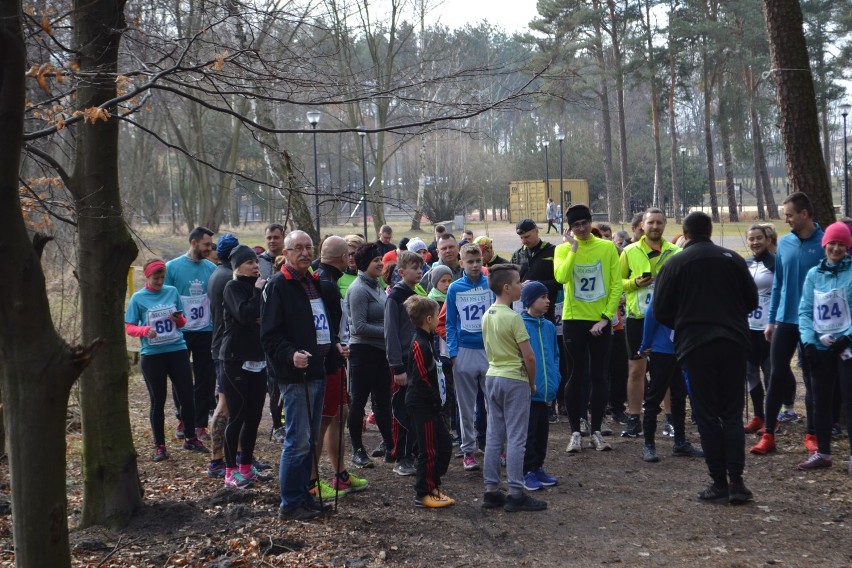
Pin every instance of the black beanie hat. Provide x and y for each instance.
(365, 255)
(241, 254)
(576, 213)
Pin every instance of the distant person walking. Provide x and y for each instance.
(550, 212)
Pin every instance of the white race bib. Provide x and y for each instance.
(518, 306)
(167, 330)
(471, 306)
(254, 366)
(197, 309)
(759, 317)
(831, 311)
(588, 282)
(557, 316)
(643, 298)
(321, 322)
(442, 383)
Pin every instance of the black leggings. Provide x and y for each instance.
(276, 406)
(369, 374)
(618, 372)
(155, 370)
(245, 392)
(198, 344)
(588, 362)
(785, 341)
(758, 360)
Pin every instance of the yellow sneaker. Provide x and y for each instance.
(434, 500)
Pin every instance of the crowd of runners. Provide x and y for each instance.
(460, 352)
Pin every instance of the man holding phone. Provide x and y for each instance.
(640, 262)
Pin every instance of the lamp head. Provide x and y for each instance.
(546, 143)
(844, 109)
(313, 117)
(560, 137)
(361, 132)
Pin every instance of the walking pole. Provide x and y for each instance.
(339, 436)
(311, 443)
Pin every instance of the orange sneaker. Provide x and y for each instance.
(755, 424)
(811, 443)
(766, 445)
(435, 500)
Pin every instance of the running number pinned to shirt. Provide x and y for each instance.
(831, 311)
(471, 306)
(160, 319)
(197, 311)
(759, 317)
(321, 322)
(589, 282)
(643, 297)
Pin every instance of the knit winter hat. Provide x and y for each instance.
(365, 255)
(241, 254)
(837, 232)
(226, 244)
(532, 291)
(576, 213)
(438, 271)
(416, 244)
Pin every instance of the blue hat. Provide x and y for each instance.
(532, 291)
(226, 244)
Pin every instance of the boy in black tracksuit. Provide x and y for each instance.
(423, 400)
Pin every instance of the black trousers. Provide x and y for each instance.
(245, 392)
(758, 361)
(782, 383)
(665, 375)
(588, 361)
(826, 372)
(155, 370)
(618, 371)
(435, 445)
(402, 430)
(369, 375)
(715, 379)
(537, 434)
(199, 345)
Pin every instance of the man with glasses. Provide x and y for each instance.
(300, 319)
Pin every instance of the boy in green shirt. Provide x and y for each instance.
(508, 383)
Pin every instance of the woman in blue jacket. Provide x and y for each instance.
(825, 325)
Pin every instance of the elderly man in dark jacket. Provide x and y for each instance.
(535, 259)
(705, 294)
(299, 330)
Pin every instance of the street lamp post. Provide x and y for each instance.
(561, 138)
(313, 119)
(682, 182)
(844, 110)
(546, 143)
(362, 134)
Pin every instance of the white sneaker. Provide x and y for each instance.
(584, 427)
(576, 444)
(599, 443)
(606, 429)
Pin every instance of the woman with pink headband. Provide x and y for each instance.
(155, 315)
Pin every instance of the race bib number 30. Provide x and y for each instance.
(831, 311)
(321, 322)
(197, 312)
(471, 307)
(588, 282)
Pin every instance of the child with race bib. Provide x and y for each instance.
(467, 300)
(825, 326)
(155, 315)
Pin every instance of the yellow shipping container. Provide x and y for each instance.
(528, 198)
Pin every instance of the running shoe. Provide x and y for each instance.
(811, 443)
(349, 483)
(584, 427)
(469, 463)
(599, 443)
(606, 429)
(766, 445)
(668, 429)
(553, 418)
(259, 465)
(633, 428)
(405, 467)
(361, 459)
(325, 492)
(160, 453)
(687, 450)
(179, 430)
(714, 494)
(738, 493)
(493, 499)
(202, 434)
(545, 478)
(257, 475)
(762, 430)
(788, 415)
(237, 480)
(575, 446)
(755, 424)
(816, 461)
(278, 435)
(649, 453)
(523, 502)
(434, 500)
(216, 468)
(531, 482)
(379, 451)
(195, 445)
(836, 431)
(459, 453)
(620, 416)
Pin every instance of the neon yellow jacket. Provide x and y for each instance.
(590, 277)
(634, 262)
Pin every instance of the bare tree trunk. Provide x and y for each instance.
(37, 368)
(771, 207)
(112, 491)
(606, 123)
(759, 190)
(727, 154)
(797, 105)
(673, 124)
(626, 191)
(708, 136)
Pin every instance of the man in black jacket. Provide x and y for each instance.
(300, 319)
(535, 259)
(705, 294)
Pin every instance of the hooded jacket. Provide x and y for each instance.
(241, 312)
(793, 259)
(545, 346)
(821, 279)
(399, 331)
(477, 298)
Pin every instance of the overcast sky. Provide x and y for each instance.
(511, 15)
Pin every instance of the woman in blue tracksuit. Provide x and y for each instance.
(825, 325)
